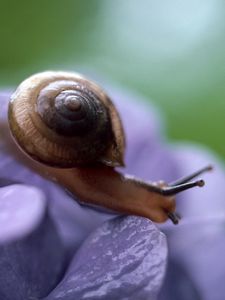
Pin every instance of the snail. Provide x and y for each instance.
(71, 128)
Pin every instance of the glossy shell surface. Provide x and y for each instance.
(64, 120)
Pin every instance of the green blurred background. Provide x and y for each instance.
(170, 51)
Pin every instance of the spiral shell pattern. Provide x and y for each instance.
(64, 120)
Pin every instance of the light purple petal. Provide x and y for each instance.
(21, 210)
(147, 155)
(178, 284)
(204, 274)
(203, 232)
(198, 243)
(31, 253)
(125, 258)
(208, 200)
(199, 247)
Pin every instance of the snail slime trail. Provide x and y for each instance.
(70, 126)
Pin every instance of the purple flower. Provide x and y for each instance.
(51, 247)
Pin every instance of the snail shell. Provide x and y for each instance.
(64, 120)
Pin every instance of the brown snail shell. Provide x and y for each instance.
(65, 120)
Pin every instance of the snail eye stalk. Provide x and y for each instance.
(175, 189)
(192, 176)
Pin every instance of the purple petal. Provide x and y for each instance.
(31, 253)
(125, 258)
(209, 200)
(19, 215)
(199, 247)
(147, 155)
(198, 243)
(178, 284)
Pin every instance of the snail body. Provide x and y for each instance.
(65, 120)
(70, 126)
